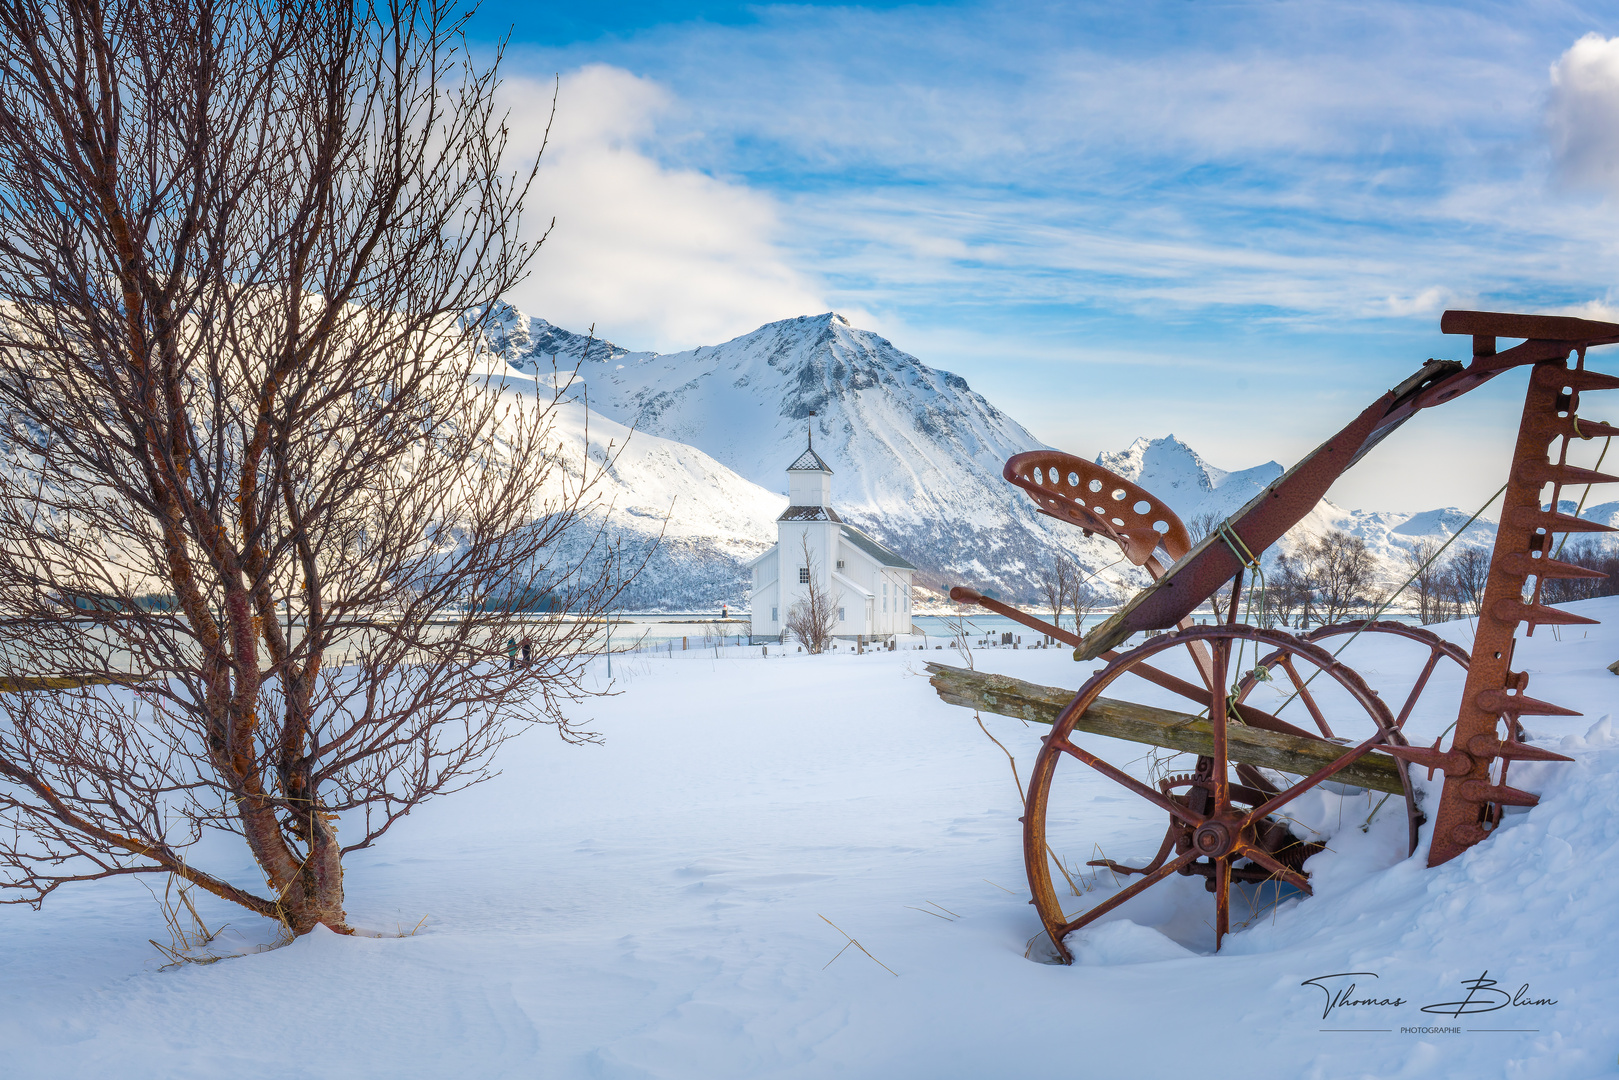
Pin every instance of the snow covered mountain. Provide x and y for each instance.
(1197, 490)
(1178, 475)
(916, 454)
(694, 521)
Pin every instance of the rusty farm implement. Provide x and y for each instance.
(1258, 761)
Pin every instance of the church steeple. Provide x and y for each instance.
(809, 479)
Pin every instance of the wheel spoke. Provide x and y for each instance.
(1204, 663)
(1416, 691)
(1157, 798)
(1159, 677)
(1256, 779)
(1275, 802)
(1222, 900)
(1124, 894)
(1264, 858)
(1301, 690)
(1218, 721)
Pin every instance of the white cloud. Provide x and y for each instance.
(654, 256)
(1583, 113)
(1427, 302)
(1606, 310)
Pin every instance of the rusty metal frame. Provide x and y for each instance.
(1475, 764)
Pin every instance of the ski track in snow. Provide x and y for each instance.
(652, 907)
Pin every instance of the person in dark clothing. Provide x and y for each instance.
(526, 657)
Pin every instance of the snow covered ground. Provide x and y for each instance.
(659, 906)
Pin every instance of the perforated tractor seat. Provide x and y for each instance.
(1083, 493)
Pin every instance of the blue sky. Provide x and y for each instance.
(1237, 222)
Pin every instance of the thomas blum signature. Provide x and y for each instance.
(1483, 995)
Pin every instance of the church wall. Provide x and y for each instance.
(790, 551)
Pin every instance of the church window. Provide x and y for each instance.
(803, 575)
(842, 617)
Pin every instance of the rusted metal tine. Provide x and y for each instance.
(1222, 900)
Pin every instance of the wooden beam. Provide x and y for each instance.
(1038, 704)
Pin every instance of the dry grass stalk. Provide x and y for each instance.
(857, 945)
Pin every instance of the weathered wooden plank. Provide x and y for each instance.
(1038, 704)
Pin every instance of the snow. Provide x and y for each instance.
(658, 906)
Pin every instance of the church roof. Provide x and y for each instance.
(874, 549)
(809, 461)
(809, 513)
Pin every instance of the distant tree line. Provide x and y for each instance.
(1335, 577)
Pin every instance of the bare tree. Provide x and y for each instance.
(1084, 598)
(1288, 590)
(245, 460)
(1202, 524)
(1430, 581)
(813, 618)
(1058, 585)
(1338, 569)
(1469, 570)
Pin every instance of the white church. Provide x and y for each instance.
(869, 585)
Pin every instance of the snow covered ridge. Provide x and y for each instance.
(916, 452)
(701, 521)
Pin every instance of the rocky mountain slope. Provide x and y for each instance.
(916, 454)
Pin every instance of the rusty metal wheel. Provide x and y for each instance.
(1229, 819)
(1438, 649)
(1298, 704)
